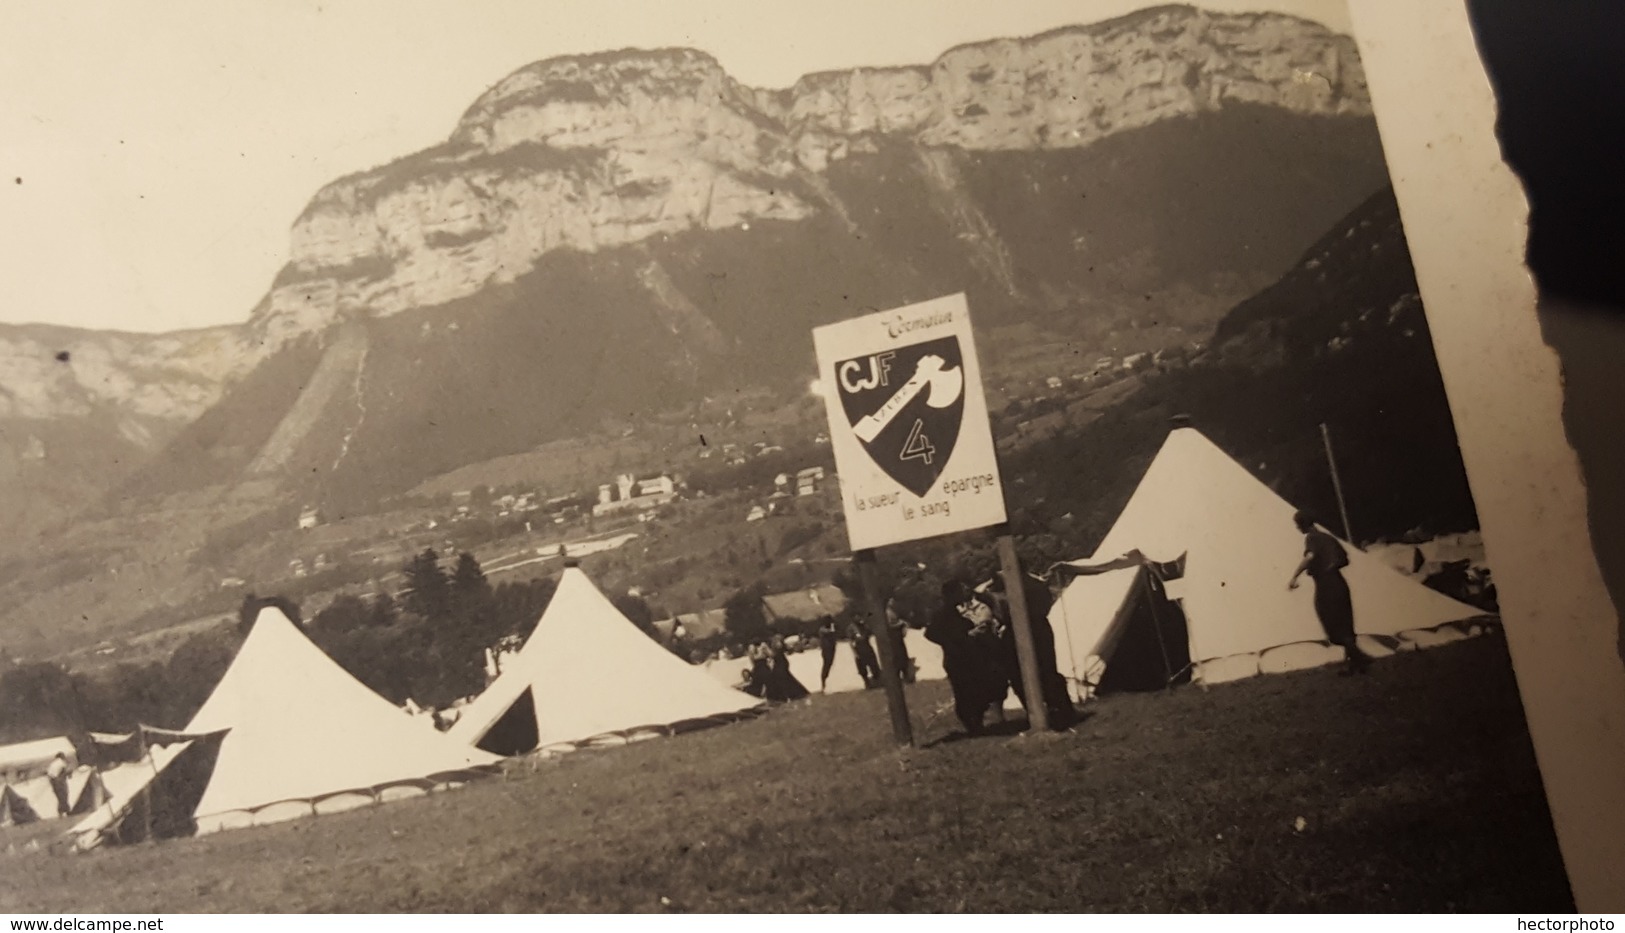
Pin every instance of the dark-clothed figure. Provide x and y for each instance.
(785, 683)
(863, 653)
(1057, 702)
(57, 773)
(968, 658)
(827, 639)
(897, 631)
(1324, 560)
(758, 677)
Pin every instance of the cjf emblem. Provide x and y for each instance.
(906, 405)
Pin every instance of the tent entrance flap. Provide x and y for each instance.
(15, 810)
(515, 732)
(163, 808)
(92, 794)
(1153, 648)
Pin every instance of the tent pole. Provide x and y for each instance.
(1071, 655)
(146, 752)
(1337, 483)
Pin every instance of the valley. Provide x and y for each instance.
(611, 267)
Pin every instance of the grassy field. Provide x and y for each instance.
(1416, 785)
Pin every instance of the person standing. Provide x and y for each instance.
(897, 631)
(863, 653)
(57, 773)
(827, 638)
(1324, 559)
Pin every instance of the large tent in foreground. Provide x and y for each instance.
(298, 735)
(1191, 581)
(588, 675)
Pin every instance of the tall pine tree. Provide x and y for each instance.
(469, 588)
(427, 592)
(471, 628)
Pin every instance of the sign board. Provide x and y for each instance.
(908, 423)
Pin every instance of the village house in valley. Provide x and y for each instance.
(627, 492)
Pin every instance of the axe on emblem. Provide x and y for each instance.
(945, 387)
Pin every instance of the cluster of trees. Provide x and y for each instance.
(428, 641)
(744, 617)
(44, 698)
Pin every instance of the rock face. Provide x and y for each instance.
(610, 232)
(78, 408)
(592, 152)
(1074, 86)
(55, 372)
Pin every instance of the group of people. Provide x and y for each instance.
(830, 636)
(768, 676)
(974, 628)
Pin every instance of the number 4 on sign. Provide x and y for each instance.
(918, 446)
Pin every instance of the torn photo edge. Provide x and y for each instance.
(1465, 217)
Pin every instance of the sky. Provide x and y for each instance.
(153, 153)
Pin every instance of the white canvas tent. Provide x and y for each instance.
(1089, 621)
(24, 760)
(303, 730)
(41, 797)
(85, 790)
(152, 797)
(1238, 547)
(587, 674)
(15, 810)
(286, 733)
(25, 792)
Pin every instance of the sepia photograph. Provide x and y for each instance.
(727, 458)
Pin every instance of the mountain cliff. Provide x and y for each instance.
(630, 230)
(589, 153)
(79, 407)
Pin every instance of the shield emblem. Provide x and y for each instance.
(905, 406)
